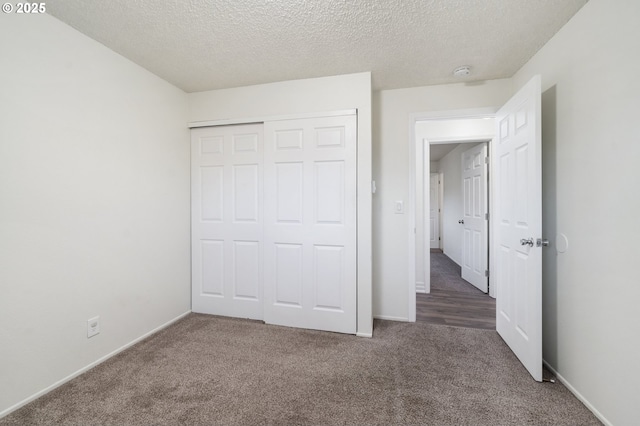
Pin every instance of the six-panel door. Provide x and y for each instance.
(475, 244)
(518, 223)
(310, 223)
(226, 220)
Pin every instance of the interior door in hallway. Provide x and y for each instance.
(310, 223)
(226, 220)
(517, 226)
(475, 246)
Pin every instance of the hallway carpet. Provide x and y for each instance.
(446, 275)
(207, 370)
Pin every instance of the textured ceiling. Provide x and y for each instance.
(210, 44)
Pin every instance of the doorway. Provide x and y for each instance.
(442, 142)
(458, 284)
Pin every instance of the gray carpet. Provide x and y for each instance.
(207, 370)
(446, 275)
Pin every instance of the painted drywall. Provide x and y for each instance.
(590, 108)
(310, 96)
(392, 115)
(94, 193)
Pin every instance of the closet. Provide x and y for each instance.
(274, 221)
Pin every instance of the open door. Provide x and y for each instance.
(517, 226)
(474, 217)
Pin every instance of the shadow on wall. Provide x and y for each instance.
(549, 229)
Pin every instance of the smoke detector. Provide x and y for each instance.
(462, 71)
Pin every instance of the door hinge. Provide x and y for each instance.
(486, 160)
(486, 273)
(486, 216)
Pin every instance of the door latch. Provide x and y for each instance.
(542, 242)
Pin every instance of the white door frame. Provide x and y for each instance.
(411, 205)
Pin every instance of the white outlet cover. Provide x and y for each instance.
(399, 208)
(93, 326)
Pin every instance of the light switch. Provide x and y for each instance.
(399, 207)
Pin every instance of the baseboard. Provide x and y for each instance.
(88, 367)
(578, 395)
(359, 334)
(391, 318)
(420, 287)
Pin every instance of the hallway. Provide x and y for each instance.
(453, 301)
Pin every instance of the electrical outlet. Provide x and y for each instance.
(93, 326)
(399, 207)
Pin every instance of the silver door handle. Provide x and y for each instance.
(526, 242)
(461, 221)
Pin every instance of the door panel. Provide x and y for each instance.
(226, 222)
(517, 218)
(310, 223)
(475, 208)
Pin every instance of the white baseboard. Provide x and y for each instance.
(578, 395)
(420, 287)
(88, 367)
(391, 318)
(359, 334)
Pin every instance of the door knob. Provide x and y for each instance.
(461, 221)
(526, 242)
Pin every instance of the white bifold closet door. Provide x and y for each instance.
(310, 223)
(226, 220)
(274, 222)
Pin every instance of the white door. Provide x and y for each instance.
(226, 220)
(518, 224)
(310, 223)
(434, 211)
(474, 217)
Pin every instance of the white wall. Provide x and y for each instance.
(308, 96)
(392, 123)
(591, 148)
(94, 193)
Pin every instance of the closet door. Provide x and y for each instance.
(226, 220)
(310, 223)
